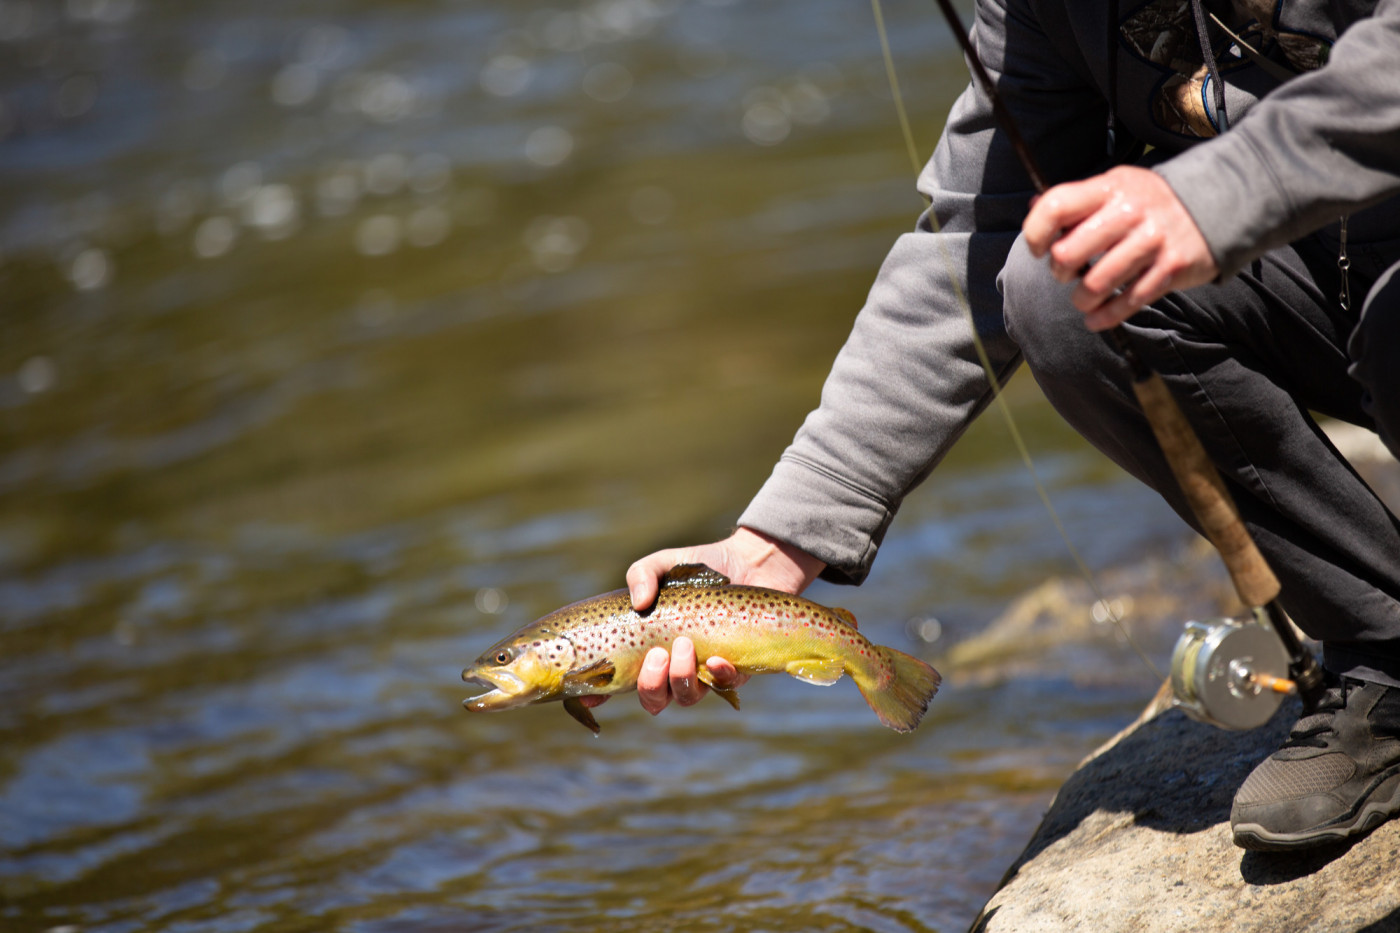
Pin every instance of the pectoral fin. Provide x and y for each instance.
(728, 694)
(820, 671)
(598, 674)
(575, 708)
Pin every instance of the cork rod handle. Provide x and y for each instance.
(1205, 491)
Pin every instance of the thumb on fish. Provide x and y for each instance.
(644, 577)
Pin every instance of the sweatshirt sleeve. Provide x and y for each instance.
(1324, 144)
(908, 381)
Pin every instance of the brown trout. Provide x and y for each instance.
(596, 647)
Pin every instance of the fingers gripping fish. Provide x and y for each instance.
(597, 646)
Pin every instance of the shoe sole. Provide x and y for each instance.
(1256, 838)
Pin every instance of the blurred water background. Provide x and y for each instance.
(338, 339)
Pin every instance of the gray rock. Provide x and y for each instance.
(1139, 839)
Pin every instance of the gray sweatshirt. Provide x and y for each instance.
(1313, 133)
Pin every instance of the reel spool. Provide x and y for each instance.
(1230, 673)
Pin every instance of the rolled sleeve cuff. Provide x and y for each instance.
(1233, 195)
(824, 515)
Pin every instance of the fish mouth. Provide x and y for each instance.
(509, 690)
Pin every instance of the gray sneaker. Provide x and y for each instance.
(1338, 775)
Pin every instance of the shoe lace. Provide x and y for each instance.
(1316, 730)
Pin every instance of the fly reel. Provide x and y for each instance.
(1230, 673)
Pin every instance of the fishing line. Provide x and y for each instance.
(909, 146)
(986, 362)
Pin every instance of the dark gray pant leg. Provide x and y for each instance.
(1375, 351)
(1247, 360)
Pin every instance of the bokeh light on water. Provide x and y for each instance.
(340, 339)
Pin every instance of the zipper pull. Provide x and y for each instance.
(1343, 265)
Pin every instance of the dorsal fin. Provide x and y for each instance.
(693, 575)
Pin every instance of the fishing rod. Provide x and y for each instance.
(1222, 670)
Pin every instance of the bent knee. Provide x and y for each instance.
(1372, 348)
(1373, 343)
(1038, 313)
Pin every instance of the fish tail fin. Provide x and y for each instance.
(898, 687)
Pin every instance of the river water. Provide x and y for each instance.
(340, 339)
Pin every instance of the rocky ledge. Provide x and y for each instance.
(1138, 839)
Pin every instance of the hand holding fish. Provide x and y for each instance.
(598, 646)
(1141, 239)
(745, 557)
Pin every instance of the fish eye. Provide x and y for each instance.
(502, 657)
